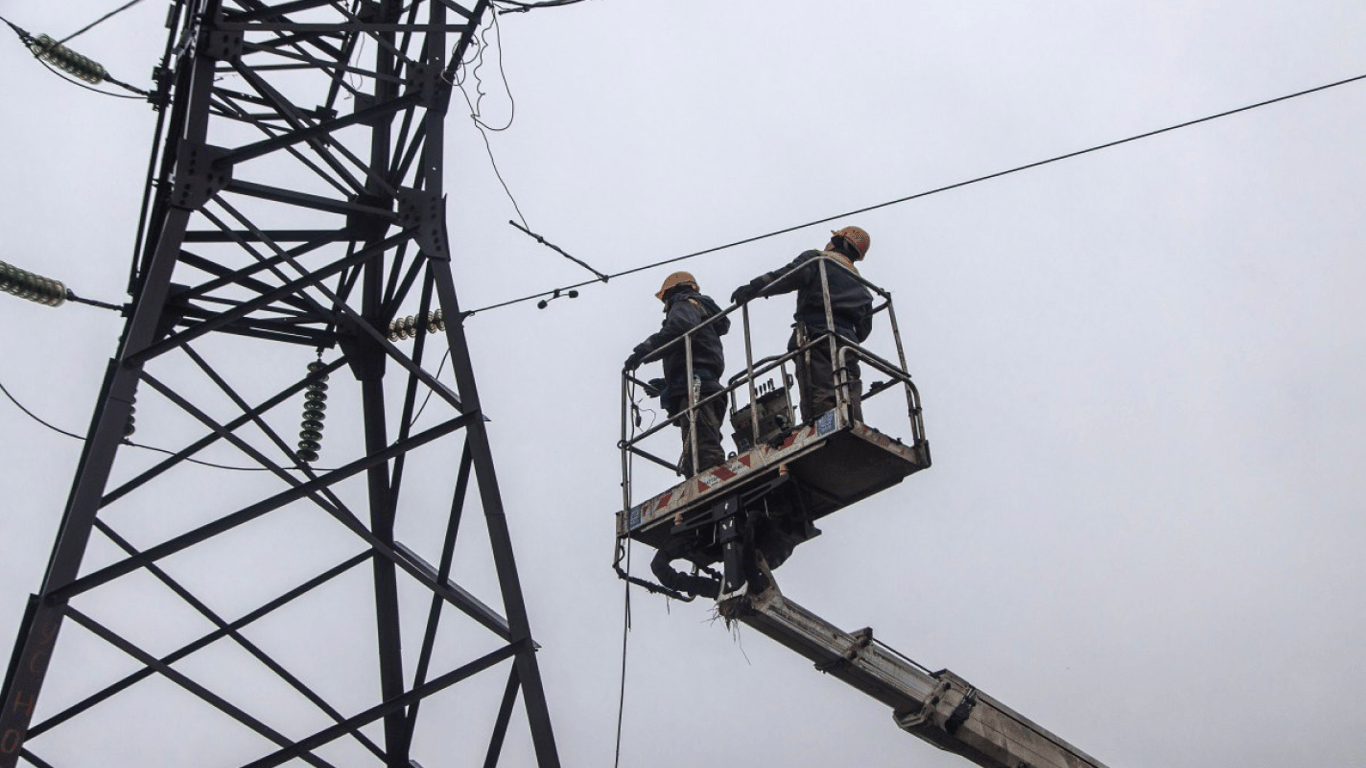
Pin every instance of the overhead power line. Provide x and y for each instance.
(99, 21)
(927, 193)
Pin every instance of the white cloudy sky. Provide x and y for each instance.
(1141, 369)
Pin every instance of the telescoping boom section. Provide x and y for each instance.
(789, 467)
(939, 707)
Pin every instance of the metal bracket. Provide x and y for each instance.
(365, 355)
(862, 639)
(431, 89)
(960, 713)
(908, 721)
(732, 551)
(425, 211)
(198, 176)
(370, 226)
(363, 101)
(221, 45)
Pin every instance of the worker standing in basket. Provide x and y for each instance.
(685, 308)
(851, 306)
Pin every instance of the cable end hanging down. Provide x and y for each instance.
(601, 277)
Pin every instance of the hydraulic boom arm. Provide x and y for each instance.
(939, 707)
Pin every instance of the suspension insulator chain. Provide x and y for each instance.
(315, 402)
(68, 60)
(409, 327)
(27, 285)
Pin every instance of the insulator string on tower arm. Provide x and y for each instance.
(60, 59)
(69, 61)
(35, 288)
(42, 290)
(412, 326)
(926, 193)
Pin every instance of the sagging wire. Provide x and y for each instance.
(927, 193)
(478, 63)
(126, 441)
(470, 68)
(35, 416)
(430, 392)
(473, 71)
(623, 552)
(412, 326)
(625, 634)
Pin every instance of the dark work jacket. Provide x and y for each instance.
(851, 303)
(686, 310)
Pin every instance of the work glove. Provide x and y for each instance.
(634, 360)
(654, 386)
(744, 293)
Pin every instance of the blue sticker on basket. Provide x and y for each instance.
(825, 424)
(633, 518)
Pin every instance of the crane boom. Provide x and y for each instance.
(939, 707)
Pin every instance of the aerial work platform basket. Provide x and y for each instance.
(786, 473)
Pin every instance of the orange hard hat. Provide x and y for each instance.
(855, 237)
(674, 280)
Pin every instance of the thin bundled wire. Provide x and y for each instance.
(625, 634)
(471, 67)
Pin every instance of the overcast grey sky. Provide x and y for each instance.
(1141, 369)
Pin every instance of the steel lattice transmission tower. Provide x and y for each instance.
(301, 612)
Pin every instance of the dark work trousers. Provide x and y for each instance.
(709, 453)
(816, 377)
